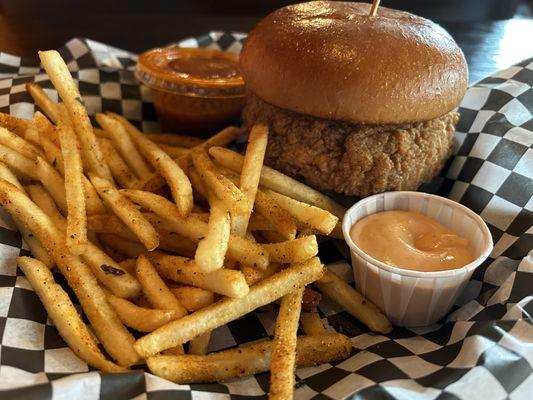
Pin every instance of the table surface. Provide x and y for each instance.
(488, 46)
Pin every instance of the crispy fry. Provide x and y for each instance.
(53, 154)
(20, 145)
(154, 289)
(33, 243)
(313, 217)
(251, 171)
(228, 309)
(221, 186)
(124, 145)
(283, 361)
(227, 282)
(44, 127)
(173, 139)
(140, 318)
(174, 152)
(311, 323)
(247, 359)
(354, 303)
(62, 79)
(280, 219)
(17, 162)
(14, 124)
(119, 169)
(123, 246)
(253, 275)
(106, 270)
(279, 182)
(113, 335)
(240, 249)
(44, 102)
(127, 212)
(74, 190)
(179, 184)
(64, 315)
(200, 345)
(53, 182)
(193, 298)
(211, 250)
(292, 251)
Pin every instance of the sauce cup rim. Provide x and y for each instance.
(346, 226)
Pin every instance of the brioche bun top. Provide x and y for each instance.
(332, 60)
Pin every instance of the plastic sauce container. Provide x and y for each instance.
(196, 91)
(408, 297)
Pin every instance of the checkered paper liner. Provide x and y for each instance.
(482, 350)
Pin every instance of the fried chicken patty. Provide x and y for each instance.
(350, 158)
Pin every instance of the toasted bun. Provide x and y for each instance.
(332, 60)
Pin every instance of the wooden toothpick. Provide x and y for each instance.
(374, 9)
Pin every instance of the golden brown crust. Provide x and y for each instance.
(331, 60)
(353, 159)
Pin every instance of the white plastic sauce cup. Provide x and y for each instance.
(416, 298)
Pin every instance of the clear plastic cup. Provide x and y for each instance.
(416, 298)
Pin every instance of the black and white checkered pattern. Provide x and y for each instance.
(482, 350)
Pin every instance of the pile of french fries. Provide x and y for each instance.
(170, 236)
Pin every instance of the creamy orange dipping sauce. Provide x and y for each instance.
(410, 240)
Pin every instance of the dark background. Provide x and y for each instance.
(492, 33)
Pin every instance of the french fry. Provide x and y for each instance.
(119, 169)
(355, 304)
(283, 361)
(253, 275)
(128, 264)
(140, 318)
(152, 183)
(193, 298)
(173, 139)
(113, 335)
(122, 246)
(33, 243)
(44, 102)
(280, 219)
(17, 162)
(20, 145)
(259, 223)
(247, 359)
(174, 152)
(251, 171)
(64, 315)
(228, 309)
(62, 79)
(154, 289)
(311, 324)
(200, 345)
(127, 212)
(105, 269)
(53, 183)
(292, 251)
(227, 282)
(124, 144)
(44, 127)
(221, 186)
(74, 190)
(53, 154)
(179, 184)
(240, 249)
(211, 250)
(272, 179)
(14, 124)
(316, 218)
